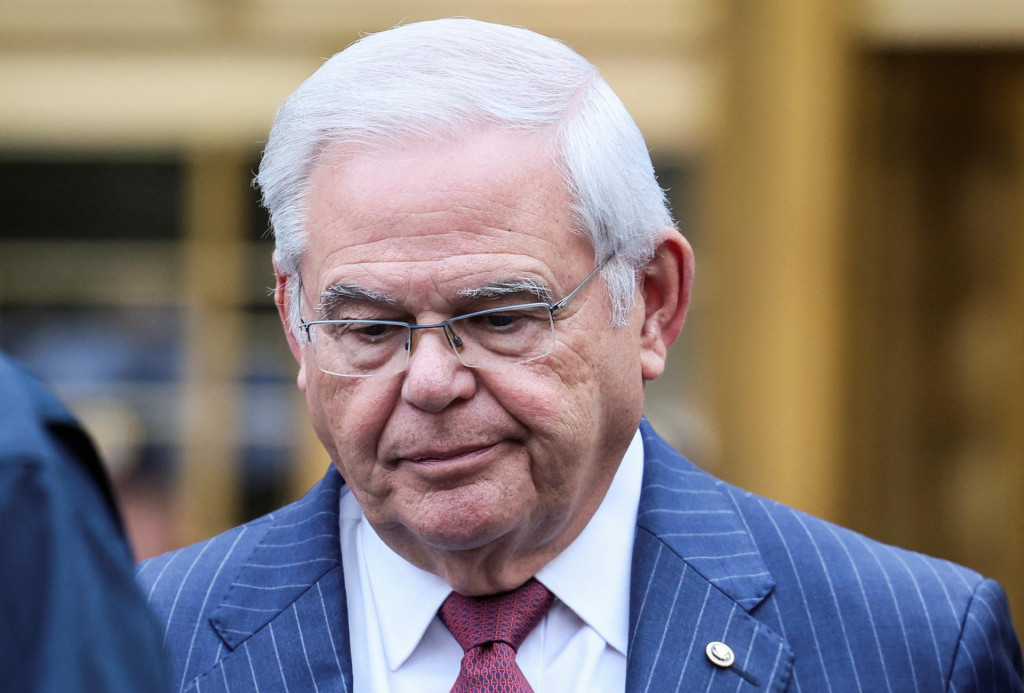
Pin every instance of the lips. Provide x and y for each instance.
(446, 454)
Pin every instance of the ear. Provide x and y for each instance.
(281, 282)
(665, 291)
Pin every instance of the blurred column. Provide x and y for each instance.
(209, 469)
(1014, 391)
(773, 250)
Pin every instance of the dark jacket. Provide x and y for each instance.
(71, 616)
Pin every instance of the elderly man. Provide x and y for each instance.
(477, 272)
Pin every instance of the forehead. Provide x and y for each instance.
(494, 203)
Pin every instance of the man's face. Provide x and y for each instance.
(467, 471)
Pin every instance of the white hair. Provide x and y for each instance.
(437, 80)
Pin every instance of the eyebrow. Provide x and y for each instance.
(509, 287)
(336, 295)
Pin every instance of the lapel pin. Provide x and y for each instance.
(720, 654)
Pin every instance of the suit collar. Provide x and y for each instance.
(696, 574)
(685, 508)
(299, 546)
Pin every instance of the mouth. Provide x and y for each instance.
(442, 455)
(448, 460)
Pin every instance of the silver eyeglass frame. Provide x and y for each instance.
(454, 341)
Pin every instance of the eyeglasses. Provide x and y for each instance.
(491, 338)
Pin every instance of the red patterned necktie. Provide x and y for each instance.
(490, 630)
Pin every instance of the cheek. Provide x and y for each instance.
(555, 401)
(348, 416)
(574, 385)
(591, 397)
(547, 397)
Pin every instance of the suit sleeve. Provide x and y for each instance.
(988, 657)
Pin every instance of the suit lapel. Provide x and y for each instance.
(285, 617)
(697, 575)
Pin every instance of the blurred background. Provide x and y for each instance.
(850, 174)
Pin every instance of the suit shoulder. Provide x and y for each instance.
(910, 618)
(798, 547)
(842, 561)
(199, 568)
(852, 608)
(204, 571)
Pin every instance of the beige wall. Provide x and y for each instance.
(810, 368)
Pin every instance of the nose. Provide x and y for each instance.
(436, 377)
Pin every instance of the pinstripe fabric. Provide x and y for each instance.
(261, 607)
(804, 605)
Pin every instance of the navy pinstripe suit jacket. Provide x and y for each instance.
(805, 605)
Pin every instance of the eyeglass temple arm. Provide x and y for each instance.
(597, 270)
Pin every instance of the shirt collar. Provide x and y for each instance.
(591, 573)
(405, 597)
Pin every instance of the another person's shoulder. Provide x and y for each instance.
(67, 570)
(30, 415)
(47, 457)
(16, 380)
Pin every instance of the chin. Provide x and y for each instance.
(469, 519)
(464, 531)
(462, 539)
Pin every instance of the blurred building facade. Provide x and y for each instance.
(851, 176)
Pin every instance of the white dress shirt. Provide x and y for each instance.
(400, 646)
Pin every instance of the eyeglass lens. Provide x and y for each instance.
(487, 339)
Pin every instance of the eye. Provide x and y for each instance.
(501, 320)
(365, 333)
(372, 330)
(508, 321)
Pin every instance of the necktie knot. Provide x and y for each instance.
(507, 617)
(490, 630)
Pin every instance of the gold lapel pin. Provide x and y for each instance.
(720, 654)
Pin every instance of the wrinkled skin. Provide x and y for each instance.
(480, 476)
